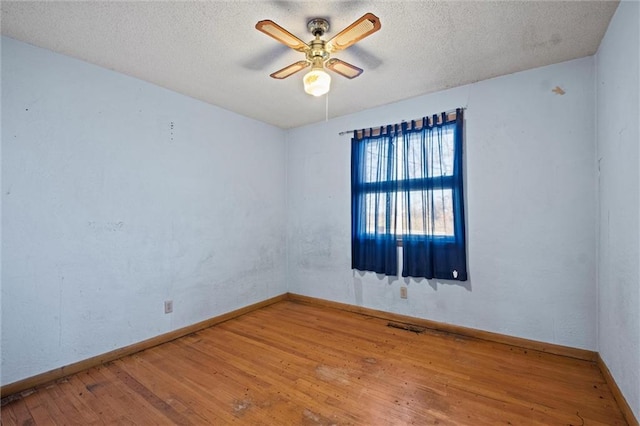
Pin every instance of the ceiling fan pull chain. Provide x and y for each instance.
(326, 107)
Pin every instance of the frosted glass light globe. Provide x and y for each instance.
(317, 82)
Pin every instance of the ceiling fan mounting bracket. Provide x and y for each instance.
(318, 26)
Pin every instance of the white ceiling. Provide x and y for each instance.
(210, 50)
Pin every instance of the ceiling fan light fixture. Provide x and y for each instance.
(317, 82)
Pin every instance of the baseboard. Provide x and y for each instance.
(617, 393)
(568, 351)
(60, 372)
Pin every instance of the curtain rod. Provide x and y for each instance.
(450, 115)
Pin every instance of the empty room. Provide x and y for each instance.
(320, 213)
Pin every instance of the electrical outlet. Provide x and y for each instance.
(168, 306)
(403, 292)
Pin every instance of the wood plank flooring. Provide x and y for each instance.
(295, 364)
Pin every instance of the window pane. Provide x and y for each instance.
(428, 155)
(430, 213)
(376, 160)
(377, 205)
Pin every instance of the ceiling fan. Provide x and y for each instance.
(317, 51)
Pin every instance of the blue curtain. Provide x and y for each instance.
(431, 185)
(407, 185)
(374, 203)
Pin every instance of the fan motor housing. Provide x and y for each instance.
(317, 51)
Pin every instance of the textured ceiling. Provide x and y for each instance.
(212, 52)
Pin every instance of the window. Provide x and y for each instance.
(407, 186)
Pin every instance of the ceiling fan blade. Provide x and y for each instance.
(361, 28)
(290, 69)
(274, 30)
(343, 68)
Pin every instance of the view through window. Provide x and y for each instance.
(411, 203)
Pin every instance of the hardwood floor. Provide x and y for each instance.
(295, 364)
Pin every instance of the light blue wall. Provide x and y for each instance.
(618, 156)
(530, 189)
(118, 195)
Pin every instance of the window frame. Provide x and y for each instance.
(399, 186)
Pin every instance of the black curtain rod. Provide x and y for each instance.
(448, 113)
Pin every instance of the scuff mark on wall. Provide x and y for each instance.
(558, 90)
(106, 226)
